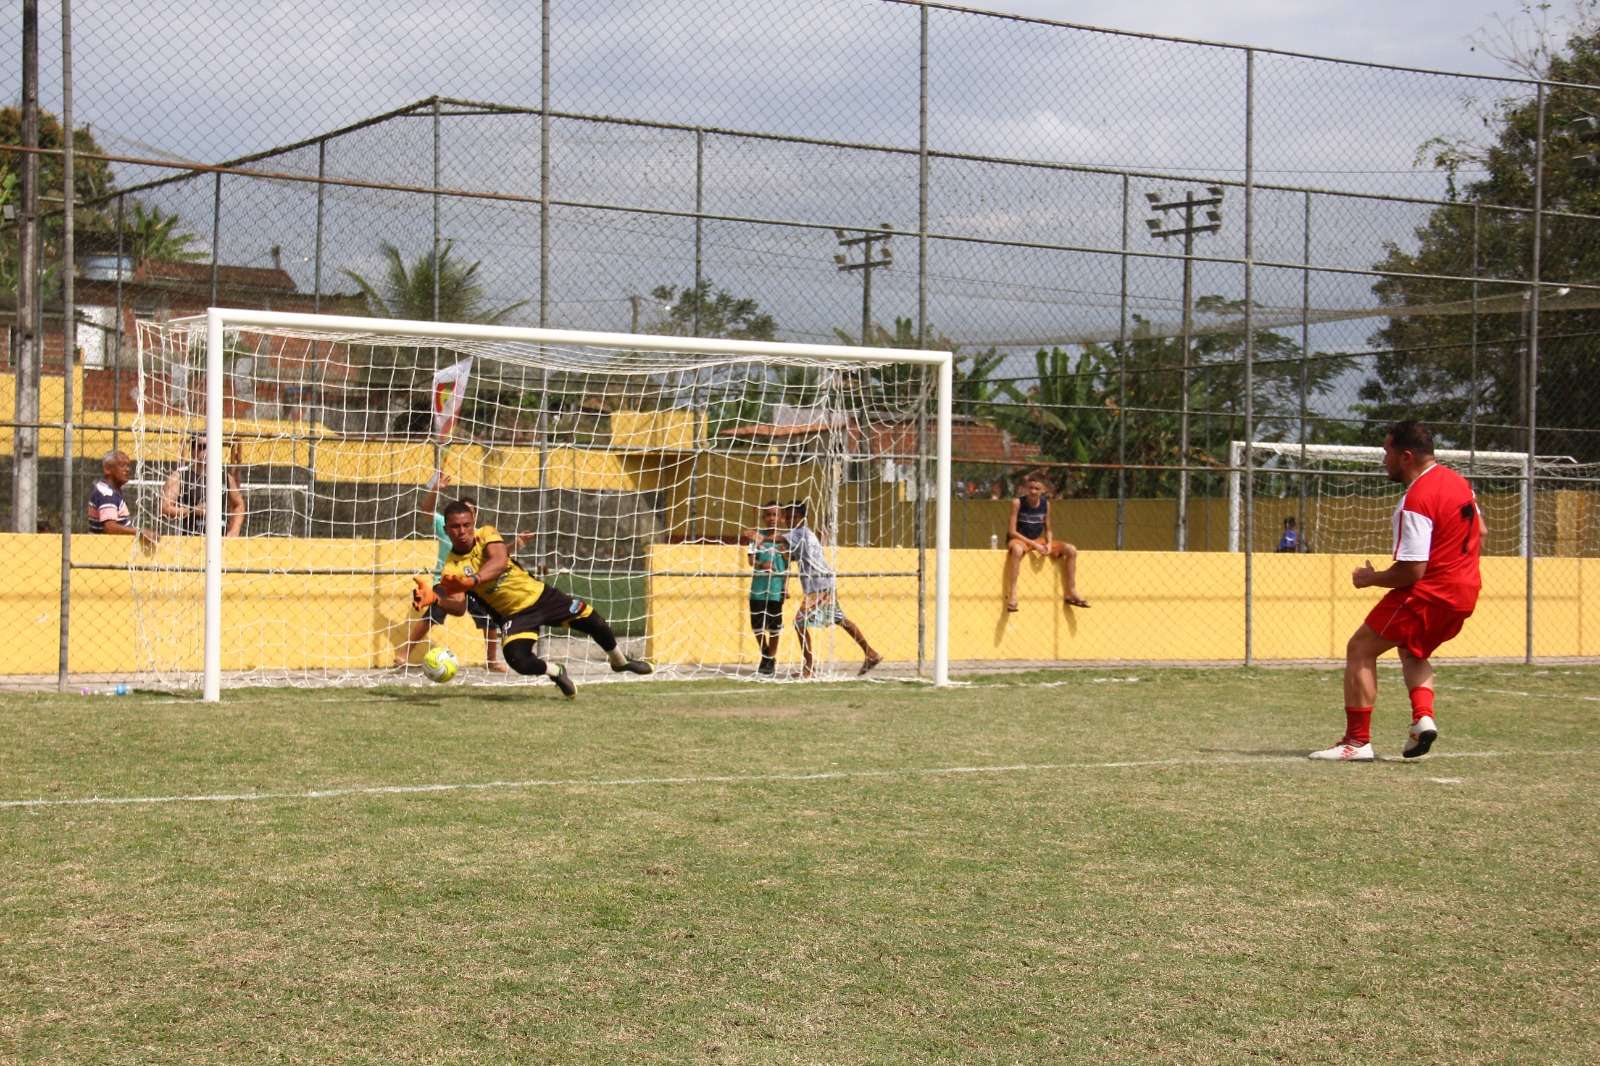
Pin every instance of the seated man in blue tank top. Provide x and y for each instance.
(1030, 532)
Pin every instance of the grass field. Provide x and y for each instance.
(1088, 866)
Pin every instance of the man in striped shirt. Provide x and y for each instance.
(108, 511)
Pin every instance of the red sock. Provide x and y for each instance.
(1421, 702)
(1358, 725)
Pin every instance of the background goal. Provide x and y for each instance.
(1342, 500)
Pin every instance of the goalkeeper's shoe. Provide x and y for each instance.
(632, 666)
(1344, 751)
(1423, 733)
(563, 680)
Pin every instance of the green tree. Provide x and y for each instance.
(92, 179)
(706, 311)
(1441, 363)
(151, 233)
(1071, 405)
(407, 290)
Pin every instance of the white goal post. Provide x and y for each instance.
(1350, 463)
(208, 413)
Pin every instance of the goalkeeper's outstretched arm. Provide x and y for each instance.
(425, 596)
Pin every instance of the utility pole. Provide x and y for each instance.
(29, 335)
(868, 264)
(1190, 206)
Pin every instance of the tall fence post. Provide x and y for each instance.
(69, 340)
(216, 237)
(919, 507)
(542, 418)
(28, 338)
(116, 335)
(316, 251)
(1531, 486)
(1305, 374)
(436, 271)
(699, 237)
(1249, 353)
(1472, 340)
(1122, 379)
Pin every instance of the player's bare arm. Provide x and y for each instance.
(429, 501)
(170, 507)
(1403, 574)
(451, 603)
(235, 504)
(495, 560)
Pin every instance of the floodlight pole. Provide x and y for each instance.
(1158, 228)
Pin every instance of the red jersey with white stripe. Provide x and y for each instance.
(1437, 520)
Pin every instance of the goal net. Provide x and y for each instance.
(297, 467)
(1342, 501)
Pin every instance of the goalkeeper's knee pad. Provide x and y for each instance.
(523, 657)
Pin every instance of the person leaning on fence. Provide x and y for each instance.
(183, 497)
(108, 511)
(1030, 532)
(1290, 541)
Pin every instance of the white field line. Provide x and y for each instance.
(1554, 697)
(720, 779)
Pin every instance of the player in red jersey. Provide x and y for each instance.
(1433, 586)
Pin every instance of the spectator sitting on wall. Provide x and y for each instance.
(108, 511)
(183, 497)
(1290, 541)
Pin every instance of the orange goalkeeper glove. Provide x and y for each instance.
(422, 597)
(455, 584)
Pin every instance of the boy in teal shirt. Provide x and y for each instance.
(767, 580)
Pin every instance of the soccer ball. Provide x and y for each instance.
(440, 664)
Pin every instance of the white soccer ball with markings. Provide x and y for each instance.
(440, 664)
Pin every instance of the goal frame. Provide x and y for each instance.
(219, 319)
(1458, 457)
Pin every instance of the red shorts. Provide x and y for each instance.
(1417, 625)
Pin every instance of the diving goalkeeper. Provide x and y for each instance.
(480, 564)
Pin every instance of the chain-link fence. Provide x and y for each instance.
(1141, 250)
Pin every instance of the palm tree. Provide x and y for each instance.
(151, 233)
(408, 292)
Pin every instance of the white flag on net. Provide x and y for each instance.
(449, 389)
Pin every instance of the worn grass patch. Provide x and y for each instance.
(1048, 868)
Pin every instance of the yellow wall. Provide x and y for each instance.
(1157, 606)
(1147, 606)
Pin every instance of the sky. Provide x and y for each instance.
(1432, 34)
(834, 69)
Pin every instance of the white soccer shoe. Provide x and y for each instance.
(1345, 752)
(1423, 734)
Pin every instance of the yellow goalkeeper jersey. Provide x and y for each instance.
(514, 590)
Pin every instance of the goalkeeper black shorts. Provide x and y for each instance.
(552, 608)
